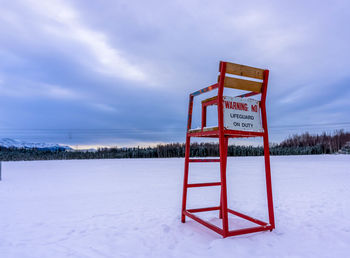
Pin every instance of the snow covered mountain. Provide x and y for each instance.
(7, 142)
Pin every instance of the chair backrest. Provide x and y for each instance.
(246, 72)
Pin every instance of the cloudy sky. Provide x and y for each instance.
(119, 72)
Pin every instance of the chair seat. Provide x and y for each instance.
(205, 129)
(213, 132)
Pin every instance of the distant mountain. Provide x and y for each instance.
(7, 142)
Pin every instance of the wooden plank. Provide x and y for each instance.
(207, 129)
(196, 130)
(244, 70)
(242, 84)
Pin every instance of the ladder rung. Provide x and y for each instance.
(204, 184)
(204, 160)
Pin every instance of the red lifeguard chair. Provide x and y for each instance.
(237, 117)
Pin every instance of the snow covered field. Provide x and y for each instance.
(131, 208)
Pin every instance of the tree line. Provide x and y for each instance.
(303, 144)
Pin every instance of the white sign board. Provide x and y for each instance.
(242, 114)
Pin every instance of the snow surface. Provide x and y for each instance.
(131, 208)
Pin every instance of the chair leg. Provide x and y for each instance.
(184, 193)
(268, 181)
(223, 203)
(220, 211)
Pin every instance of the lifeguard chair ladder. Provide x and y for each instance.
(254, 87)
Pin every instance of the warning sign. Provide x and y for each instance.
(242, 114)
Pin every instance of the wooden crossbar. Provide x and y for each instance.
(240, 84)
(243, 70)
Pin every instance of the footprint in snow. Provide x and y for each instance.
(166, 228)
